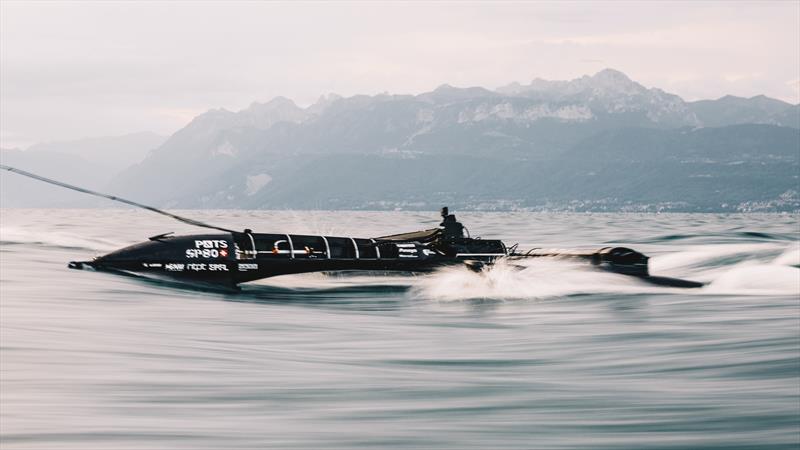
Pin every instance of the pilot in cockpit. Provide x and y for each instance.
(451, 228)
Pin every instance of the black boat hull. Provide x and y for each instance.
(229, 259)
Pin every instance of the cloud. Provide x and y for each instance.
(69, 70)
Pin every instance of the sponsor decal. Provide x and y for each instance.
(208, 248)
(202, 253)
(407, 250)
(211, 243)
(203, 267)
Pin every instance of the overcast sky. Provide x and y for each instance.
(71, 70)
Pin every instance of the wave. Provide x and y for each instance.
(740, 269)
(724, 236)
(55, 239)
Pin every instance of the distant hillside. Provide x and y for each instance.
(90, 163)
(730, 110)
(637, 169)
(113, 153)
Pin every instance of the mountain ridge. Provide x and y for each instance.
(456, 145)
(466, 131)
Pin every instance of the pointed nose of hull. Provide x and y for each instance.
(207, 259)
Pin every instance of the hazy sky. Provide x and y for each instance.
(71, 70)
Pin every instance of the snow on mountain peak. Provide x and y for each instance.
(609, 91)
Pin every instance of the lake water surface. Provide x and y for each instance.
(555, 356)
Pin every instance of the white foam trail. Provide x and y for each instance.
(756, 274)
(757, 279)
(532, 279)
(781, 276)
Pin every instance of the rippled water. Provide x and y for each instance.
(552, 356)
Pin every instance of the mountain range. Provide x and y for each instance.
(596, 143)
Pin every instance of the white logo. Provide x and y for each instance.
(208, 248)
(211, 243)
(244, 267)
(176, 267)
